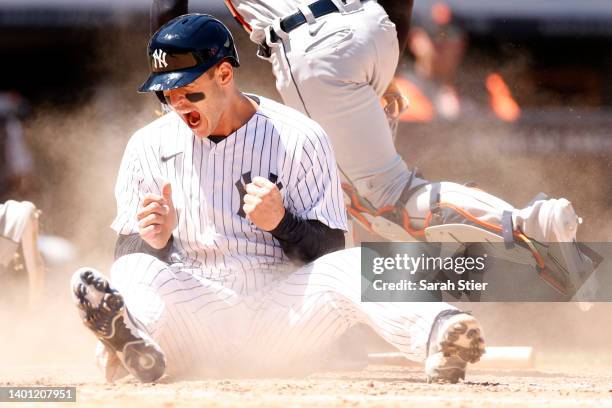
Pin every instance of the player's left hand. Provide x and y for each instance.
(263, 204)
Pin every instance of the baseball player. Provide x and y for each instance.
(18, 219)
(19, 245)
(216, 203)
(334, 61)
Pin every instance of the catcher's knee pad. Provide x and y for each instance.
(391, 222)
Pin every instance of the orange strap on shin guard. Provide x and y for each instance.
(398, 214)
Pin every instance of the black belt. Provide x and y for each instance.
(319, 8)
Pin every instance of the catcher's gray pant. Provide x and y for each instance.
(335, 69)
(208, 328)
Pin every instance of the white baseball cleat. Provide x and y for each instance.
(456, 339)
(108, 362)
(102, 309)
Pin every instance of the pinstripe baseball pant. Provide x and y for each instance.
(210, 328)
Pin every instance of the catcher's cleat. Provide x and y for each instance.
(456, 339)
(102, 309)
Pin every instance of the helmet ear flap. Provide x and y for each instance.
(161, 97)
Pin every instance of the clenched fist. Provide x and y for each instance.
(157, 218)
(263, 204)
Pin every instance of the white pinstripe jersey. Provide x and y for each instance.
(208, 181)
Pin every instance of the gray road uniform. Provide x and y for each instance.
(333, 62)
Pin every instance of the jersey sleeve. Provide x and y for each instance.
(129, 191)
(317, 193)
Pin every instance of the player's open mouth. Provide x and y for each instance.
(193, 119)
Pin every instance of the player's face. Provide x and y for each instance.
(200, 104)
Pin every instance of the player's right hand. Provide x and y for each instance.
(157, 217)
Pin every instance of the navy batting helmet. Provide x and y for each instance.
(186, 47)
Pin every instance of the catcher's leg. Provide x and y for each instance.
(545, 220)
(546, 228)
(314, 76)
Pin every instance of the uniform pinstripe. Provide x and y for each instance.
(211, 235)
(234, 301)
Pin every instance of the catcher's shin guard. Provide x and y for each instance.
(388, 222)
(565, 266)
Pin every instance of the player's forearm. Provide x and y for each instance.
(163, 11)
(400, 12)
(307, 240)
(133, 243)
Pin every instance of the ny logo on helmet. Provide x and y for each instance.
(159, 59)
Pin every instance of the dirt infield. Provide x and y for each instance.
(48, 346)
(380, 386)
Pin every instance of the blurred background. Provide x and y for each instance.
(515, 95)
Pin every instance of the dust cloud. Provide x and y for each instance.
(78, 153)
